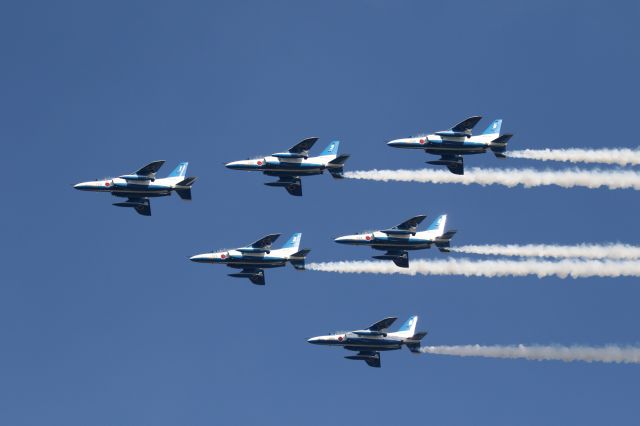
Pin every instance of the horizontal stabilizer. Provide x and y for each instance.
(499, 145)
(443, 242)
(335, 166)
(187, 182)
(339, 160)
(298, 259)
(414, 342)
(371, 358)
(183, 188)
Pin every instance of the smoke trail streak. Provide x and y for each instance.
(529, 178)
(619, 156)
(585, 251)
(608, 354)
(489, 268)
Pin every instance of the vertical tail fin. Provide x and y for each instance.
(180, 170)
(494, 128)
(294, 242)
(438, 224)
(331, 149)
(408, 329)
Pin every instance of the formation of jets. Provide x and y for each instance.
(289, 167)
(370, 341)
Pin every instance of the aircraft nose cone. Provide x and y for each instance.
(314, 340)
(198, 258)
(392, 143)
(234, 165)
(342, 240)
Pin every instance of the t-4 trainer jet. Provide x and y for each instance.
(139, 186)
(397, 240)
(452, 144)
(290, 166)
(254, 258)
(370, 341)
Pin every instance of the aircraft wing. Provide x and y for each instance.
(382, 324)
(303, 146)
(265, 242)
(372, 358)
(256, 276)
(408, 226)
(150, 169)
(466, 125)
(141, 205)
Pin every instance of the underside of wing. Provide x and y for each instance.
(370, 357)
(455, 163)
(399, 257)
(141, 205)
(292, 184)
(256, 276)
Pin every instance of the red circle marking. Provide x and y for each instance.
(107, 184)
(368, 237)
(339, 338)
(259, 163)
(222, 256)
(422, 141)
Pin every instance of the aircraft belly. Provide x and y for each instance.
(401, 246)
(255, 263)
(456, 149)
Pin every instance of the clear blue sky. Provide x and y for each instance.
(104, 321)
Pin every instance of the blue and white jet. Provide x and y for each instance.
(290, 166)
(401, 238)
(143, 184)
(256, 257)
(370, 341)
(452, 144)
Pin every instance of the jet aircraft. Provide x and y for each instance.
(290, 166)
(254, 258)
(370, 341)
(397, 240)
(143, 184)
(452, 144)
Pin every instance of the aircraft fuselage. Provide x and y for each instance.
(239, 260)
(438, 145)
(123, 188)
(274, 166)
(354, 342)
(380, 241)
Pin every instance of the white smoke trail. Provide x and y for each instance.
(585, 251)
(529, 178)
(489, 268)
(616, 354)
(619, 156)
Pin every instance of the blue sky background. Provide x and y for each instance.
(104, 321)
